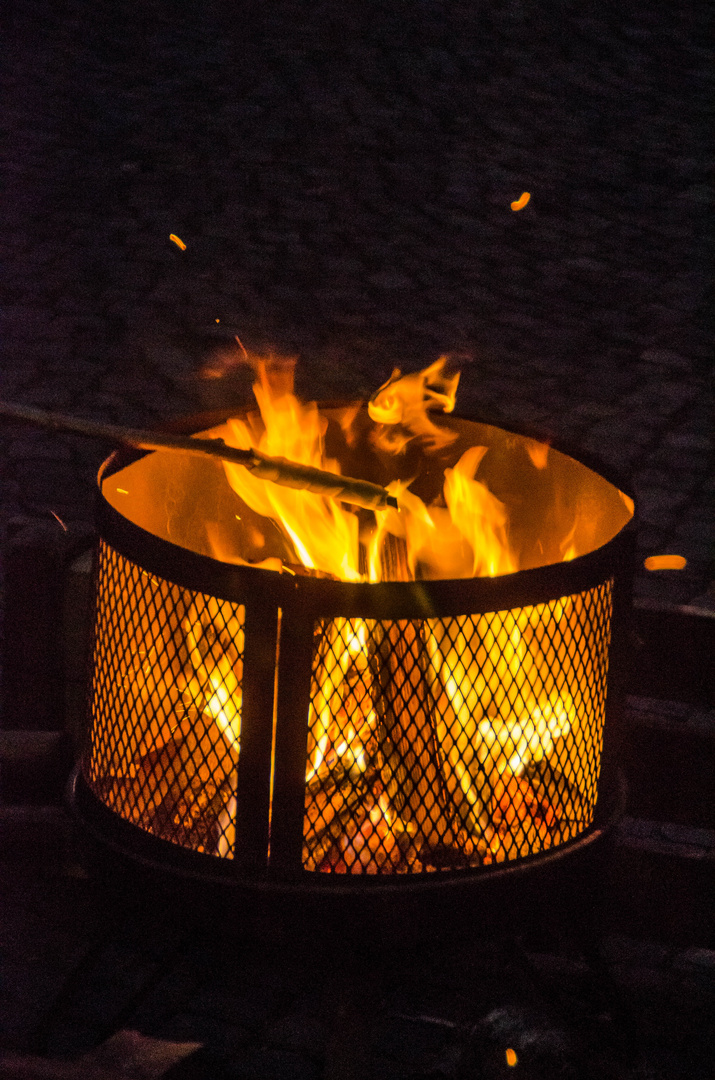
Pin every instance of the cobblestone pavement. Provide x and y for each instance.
(342, 178)
(377, 1003)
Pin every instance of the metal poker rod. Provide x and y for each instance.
(277, 470)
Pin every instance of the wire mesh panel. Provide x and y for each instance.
(443, 744)
(166, 706)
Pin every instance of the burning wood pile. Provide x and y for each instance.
(430, 749)
(175, 776)
(435, 742)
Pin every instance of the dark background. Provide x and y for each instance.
(342, 177)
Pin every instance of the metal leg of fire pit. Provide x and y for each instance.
(293, 704)
(255, 760)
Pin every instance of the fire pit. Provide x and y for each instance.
(290, 692)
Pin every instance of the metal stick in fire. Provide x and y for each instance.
(277, 470)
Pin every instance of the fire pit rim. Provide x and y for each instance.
(317, 598)
(323, 597)
(190, 423)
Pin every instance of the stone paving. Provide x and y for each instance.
(342, 181)
(328, 1006)
(342, 176)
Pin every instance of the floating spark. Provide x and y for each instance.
(665, 562)
(521, 203)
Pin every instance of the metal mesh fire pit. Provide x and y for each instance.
(288, 730)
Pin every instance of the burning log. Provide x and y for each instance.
(369, 842)
(276, 470)
(401, 773)
(551, 788)
(326, 802)
(180, 790)
(374, 792)
(411, 771)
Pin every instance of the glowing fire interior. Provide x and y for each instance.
(482, 746)
(432, 743)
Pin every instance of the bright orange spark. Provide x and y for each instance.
(665, 562)
(511, 1058)
(521, 203)
(58, 518)
(179, 243)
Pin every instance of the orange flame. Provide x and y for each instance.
(321, 532)
(538, 452)
(405, 400)
(479, 516)
(469, 537)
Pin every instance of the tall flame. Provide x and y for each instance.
(469, 537)
(322, 533)
(479, 516)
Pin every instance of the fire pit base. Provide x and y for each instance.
(162, 861)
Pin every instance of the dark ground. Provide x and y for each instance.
(342, 177)
(342, 181)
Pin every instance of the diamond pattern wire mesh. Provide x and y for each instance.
(443, 744)
(165, 706)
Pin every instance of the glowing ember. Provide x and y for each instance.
(521, 202)
(59, 520)
(665, 562)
